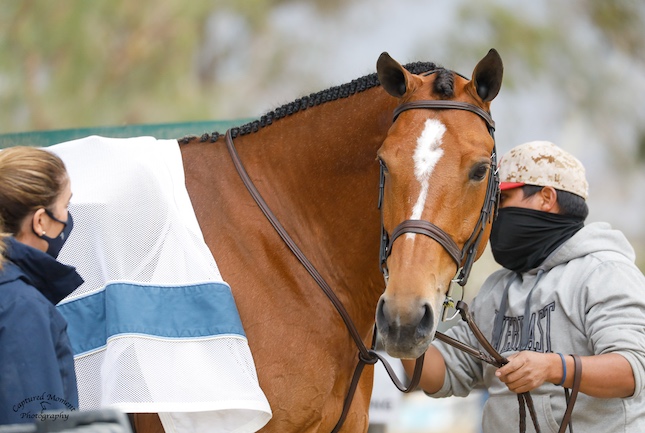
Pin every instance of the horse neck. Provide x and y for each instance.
(317, 171)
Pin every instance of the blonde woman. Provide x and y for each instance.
(36, 361)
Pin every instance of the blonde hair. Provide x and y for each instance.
(30, 178)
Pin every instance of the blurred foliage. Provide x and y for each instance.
(535, 41)
(560, 42)
(525, 43)
(621, 21)
(74, 63)
(78, 63)
(111, 52)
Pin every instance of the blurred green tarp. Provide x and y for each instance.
(160, 131)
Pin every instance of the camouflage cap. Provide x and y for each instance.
(542, 163)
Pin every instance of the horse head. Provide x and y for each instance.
(438, 193)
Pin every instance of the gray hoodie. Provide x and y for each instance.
(587, 298)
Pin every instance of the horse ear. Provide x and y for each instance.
(487, 76)
(391, 75)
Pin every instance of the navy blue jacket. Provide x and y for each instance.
(36, 359)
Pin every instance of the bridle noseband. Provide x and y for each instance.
(463, 257)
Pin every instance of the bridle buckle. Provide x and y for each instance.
(449, 303)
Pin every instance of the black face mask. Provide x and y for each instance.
(522, 238)
(54, 245)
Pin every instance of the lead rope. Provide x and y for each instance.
(494, 358)
(365, 356)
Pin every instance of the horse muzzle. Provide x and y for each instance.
(406, 329)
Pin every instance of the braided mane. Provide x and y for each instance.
(443, 86)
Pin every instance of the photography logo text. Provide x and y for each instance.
(44, 407)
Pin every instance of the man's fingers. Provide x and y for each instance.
(514, 364)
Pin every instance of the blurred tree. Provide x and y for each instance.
(90, 59)
(548, 39)
(621, 22)
(74, 63)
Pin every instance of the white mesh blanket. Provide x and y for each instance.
(154, 328)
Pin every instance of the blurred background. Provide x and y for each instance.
(574, 75)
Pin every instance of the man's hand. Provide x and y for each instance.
(528, 370)
(607, 375)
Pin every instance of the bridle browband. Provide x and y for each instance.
(463, 257)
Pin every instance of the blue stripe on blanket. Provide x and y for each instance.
(187, 311)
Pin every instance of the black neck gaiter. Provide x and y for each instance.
(522, 238)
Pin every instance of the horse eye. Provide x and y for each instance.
(479, 172)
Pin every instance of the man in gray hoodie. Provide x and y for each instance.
(566, 288)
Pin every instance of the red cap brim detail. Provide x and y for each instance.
(510, 185)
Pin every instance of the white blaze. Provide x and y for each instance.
(426, 156)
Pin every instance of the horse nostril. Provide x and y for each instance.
(427, 321)
(382, 323)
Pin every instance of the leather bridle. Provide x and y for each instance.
(463, 257)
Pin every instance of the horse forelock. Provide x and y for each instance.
(444, 83)
(331, 94)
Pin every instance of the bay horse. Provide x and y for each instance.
(315, 162)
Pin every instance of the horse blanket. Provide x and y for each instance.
(154, 328)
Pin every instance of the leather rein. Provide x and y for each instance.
(365, 356)
(464, 259)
